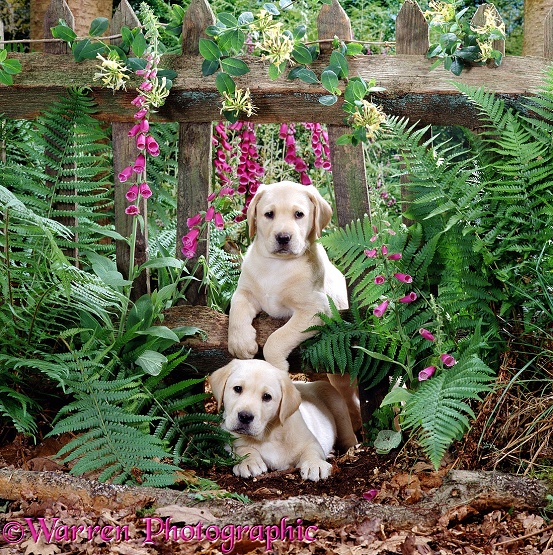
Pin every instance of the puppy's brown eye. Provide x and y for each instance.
(237, 388)
(299, 215)
(270, 215)
(266, 397)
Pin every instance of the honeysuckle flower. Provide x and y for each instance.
(240, 101)
(408, 298)
(145, 190)
(112, 72)
(277, 47)
(394, 256)
(157, 93)
(132, 193)
(448, 360)
(132, 210)
(368, 115)
(139, 164)
(381, 309)
(405, 278)
(125, 174)
(370, 253)
(440, 12)
(379, 280)
(426, 334)
(426, 373)
(194, 221)
(190, 243)
(370, 495)
(491, 23)
(219, 221)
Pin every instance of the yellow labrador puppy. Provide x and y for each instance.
(287, 274)
(278, 423)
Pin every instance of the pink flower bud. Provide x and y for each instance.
(132, 193)
(219, 221)
(370, 495)
(134, 130)
(380, 309)
(146, 86)
(395, 256)
(426, 334)
(426, 373)
(226, 191)
(209, 214)
(370, 253)
(448, 360)
(384, 250)
(408, 298)
(138, 101)
(405, 278)
(211, 197)
(141, 113)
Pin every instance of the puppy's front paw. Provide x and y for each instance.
(250, 467)
(315, 470)
(242, 342)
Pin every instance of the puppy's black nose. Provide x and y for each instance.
(283, 238)
(245, 417)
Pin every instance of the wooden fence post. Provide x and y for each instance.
(124, 153)
(58, 9)
(194, 155)
(411, 39)
(348, 162)
(548, 36)
(479, 19)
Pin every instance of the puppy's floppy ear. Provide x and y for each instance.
(322, 213)
(291, 398)
(218, 380)
(252, 207)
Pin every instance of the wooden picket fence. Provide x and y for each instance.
(412, 90)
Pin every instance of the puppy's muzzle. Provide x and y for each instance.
(245, 417)
(283, 239)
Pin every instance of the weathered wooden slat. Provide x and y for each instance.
(412, 90)
(123, 16)
(195, 165)
(58, 9)
(411, 30)
(548, 36)
(348, 162)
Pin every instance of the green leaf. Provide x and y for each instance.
(233, 39)
(330, 81)
(163, 262)
(11, 66)
(328, 100)
(234, 66)
(299, 32)
(160, 331)
(339, 60)
(227, 19)
(302, 54)
(139, 45)
(209, 49)
(271, 8)
(304, 74)
(380, 356)
(98, 27)
(396, 396)
(151, 362)
(245, 18)
(3, 55)
(63, 32)
(86, 50)
(213, 31)
(136, 63)
(5, 79)
(353, 49)
(225, 83)
(209, 67)
(386, 440)
(285, 4)
(344, 140)
(276, 71)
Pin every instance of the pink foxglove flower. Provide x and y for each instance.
(219, 221)
(139, 164)
(426, 373)
(144, 126)
(209, 214)
(384, 250)
(125, 174)
(448, 360)
(426, 334)
(305, 179)
(134, 130)
(132, 210)
(190, 243)
(132, 193)
(395, 256)
(379, 280)
(141, 141)
(194, 221)
(370, 253)
(151, 146)
(408, 298)
(145, 190)
(405, 278)
(141, 113)
(380, 309)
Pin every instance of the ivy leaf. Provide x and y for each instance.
(330, 81)
(227, 19)
(98, 27)
(86, 50)
(328, 100)
(209, 49)
(234, 66)
(302, 54)
(225, 83)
